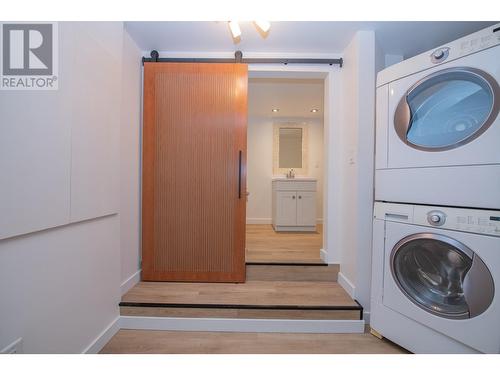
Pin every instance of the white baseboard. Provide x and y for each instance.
(242, 325)
(347, 285)
(130, 282)
(366, 316)
(255, 220)
(323, 255)
(319, 221)
(104, 337)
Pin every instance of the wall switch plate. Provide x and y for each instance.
(15, 348)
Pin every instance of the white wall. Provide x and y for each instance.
(260, 164)
(60, 287)
(130, 157)
(391, 59)
(58, 164)
(95, 79)
(358, 102)
(349, 135)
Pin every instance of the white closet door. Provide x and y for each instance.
(306, 208)
(286, 208)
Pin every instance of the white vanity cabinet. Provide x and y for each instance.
(294, 204)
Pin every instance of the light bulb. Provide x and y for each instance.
(263, 25)
(235, 29)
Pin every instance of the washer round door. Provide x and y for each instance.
(442, 276)
(447, 109)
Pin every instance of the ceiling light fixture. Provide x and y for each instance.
(235, 29)
(234, 26)
(263, 25)
(275, 110)
(314, 110)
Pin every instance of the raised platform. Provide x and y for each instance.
(271, 292)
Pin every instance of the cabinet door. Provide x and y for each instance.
(286, 208)
(306, 208)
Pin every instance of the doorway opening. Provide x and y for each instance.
(287, 283)
(285, 170)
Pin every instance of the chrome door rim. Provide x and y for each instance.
(402, 115)
(460, 247)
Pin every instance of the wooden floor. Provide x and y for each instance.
(297, 293)
(173, 342)
(263, 244)
(267, 286)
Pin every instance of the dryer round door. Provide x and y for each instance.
(442, 276)
(447, 109)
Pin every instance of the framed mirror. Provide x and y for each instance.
(290, 148)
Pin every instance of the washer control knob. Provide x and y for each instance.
(436, 218)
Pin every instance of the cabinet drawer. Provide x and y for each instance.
(294, 185)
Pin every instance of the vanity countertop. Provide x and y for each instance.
(294, 179)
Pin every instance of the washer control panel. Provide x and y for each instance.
(478, 224)
(462, 219)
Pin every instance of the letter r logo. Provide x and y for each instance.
(27, 49)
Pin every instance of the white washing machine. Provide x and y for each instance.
(438, 128)
(436, 278)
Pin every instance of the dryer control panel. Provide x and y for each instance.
(486, 38)
(478, 42)
(462, 219)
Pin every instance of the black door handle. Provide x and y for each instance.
(239, 174)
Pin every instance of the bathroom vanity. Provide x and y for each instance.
(294, 204)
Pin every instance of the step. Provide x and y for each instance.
(312, 300)
(182, 342)
(292, 272)
(283, 256)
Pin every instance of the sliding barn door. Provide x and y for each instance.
(194, 172)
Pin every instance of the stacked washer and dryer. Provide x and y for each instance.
(436, 228)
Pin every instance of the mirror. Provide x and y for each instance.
(290, 148)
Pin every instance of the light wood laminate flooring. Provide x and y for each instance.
(263, 244)
(176, 342)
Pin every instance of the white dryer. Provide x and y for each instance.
(438, 128)
(436, 278)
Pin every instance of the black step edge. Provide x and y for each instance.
(361, 317)
(236, 306)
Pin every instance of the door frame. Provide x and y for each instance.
(332, 150)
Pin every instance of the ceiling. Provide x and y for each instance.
(401, 38)
(294, 97)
